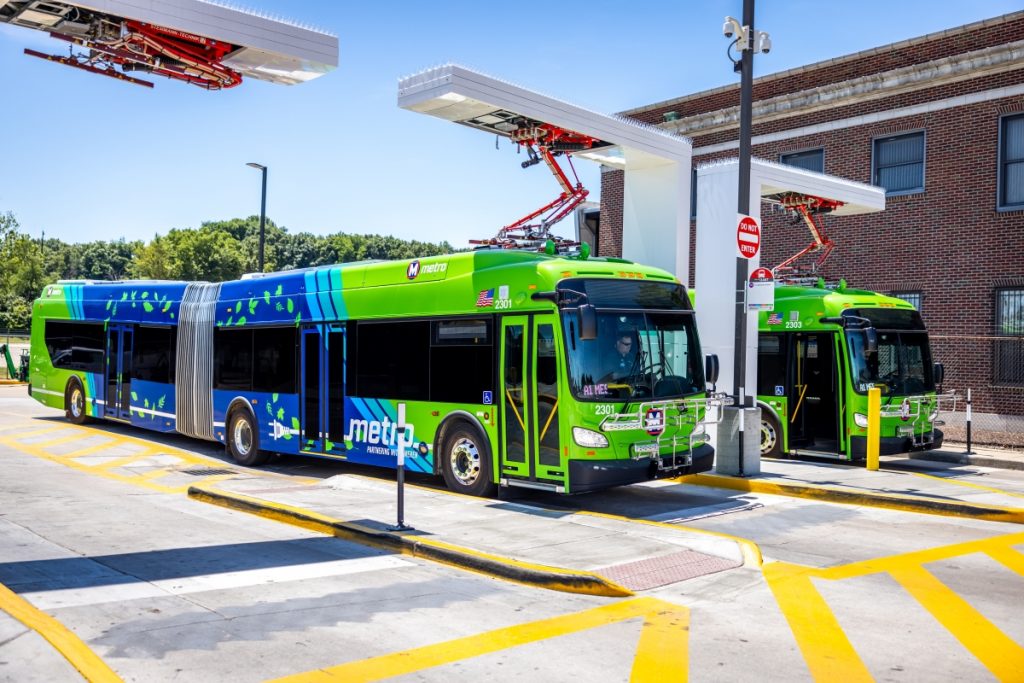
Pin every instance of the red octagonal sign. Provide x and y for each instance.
(748, 237)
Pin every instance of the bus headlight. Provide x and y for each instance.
(588, 438)
(933, 416)
(860, 420)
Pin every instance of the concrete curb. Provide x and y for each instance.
(930, 506)
(973, 459)
(552, 578)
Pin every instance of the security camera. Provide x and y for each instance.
(764, 42)
(728, 27)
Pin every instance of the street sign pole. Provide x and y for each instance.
(743, 207)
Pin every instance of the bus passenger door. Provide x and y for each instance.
(117, 398)
(513, 386)
(814, 420)
(545, 412)
(529, 386)
(323, 389)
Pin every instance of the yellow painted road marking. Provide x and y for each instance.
(149, 449)
(662, 650)
(958, 482)
(58, 441)
(35, 432)
(825, 647)
(67, 643)
(848, 496)
(1008, 557)
(1000, 655)
(88, 450)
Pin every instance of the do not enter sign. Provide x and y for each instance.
(748, 237)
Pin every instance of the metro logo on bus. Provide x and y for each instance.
(654, 421)
(413, 270)
(748, 236)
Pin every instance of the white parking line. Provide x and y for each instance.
(135, 589)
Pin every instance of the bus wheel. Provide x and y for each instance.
(467, 462)
(74, 402)
(244, 440)
(771, 435)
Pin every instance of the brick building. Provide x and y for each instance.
(939, 122)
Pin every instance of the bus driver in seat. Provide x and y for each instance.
(621, 361)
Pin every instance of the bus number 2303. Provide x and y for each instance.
(794, 324)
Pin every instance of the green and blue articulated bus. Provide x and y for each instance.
(819, 352)
(487, 368)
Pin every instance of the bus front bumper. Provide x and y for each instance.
(894, 445)
(594, 475)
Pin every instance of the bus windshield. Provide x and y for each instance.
(901, 366)
(638, 353)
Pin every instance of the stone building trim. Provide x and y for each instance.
(874, 117)
(962, 67)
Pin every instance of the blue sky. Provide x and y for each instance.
(85, 157)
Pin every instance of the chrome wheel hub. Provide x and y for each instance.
(465, 462)
(768, 437)
(77, 402)
(242, 437)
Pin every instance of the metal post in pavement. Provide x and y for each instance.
(969, 452)
(403, 443)
(874, 433)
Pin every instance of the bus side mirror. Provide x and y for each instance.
(870, 340)
(939, 373)
(711, 368)
(588, 322)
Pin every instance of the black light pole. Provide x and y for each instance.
(263, 209)
(750, 41)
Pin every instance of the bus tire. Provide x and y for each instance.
(771, 435)
(243, 439)
(466, 462)
(74, 402)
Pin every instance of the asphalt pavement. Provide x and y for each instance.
(571, 549)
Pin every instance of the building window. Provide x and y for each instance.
(913, 298)
(898, 164)
(1011, 162)
(1008, 354)
(811, 160)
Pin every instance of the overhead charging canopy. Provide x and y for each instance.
(656, 163)
(717, 222)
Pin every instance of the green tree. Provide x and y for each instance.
(204, 254)
(153, 261)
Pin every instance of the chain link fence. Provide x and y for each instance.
(991, 367)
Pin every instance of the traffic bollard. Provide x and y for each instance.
(874, 417)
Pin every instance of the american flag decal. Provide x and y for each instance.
(774, 319)
(485, 298)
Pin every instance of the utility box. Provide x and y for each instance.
(727, 459)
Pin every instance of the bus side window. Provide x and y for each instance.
(75, 345)
(394, 360)
(153, 354)
(232, 359)
(771, 363)
(461, 360)
(274, 359)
